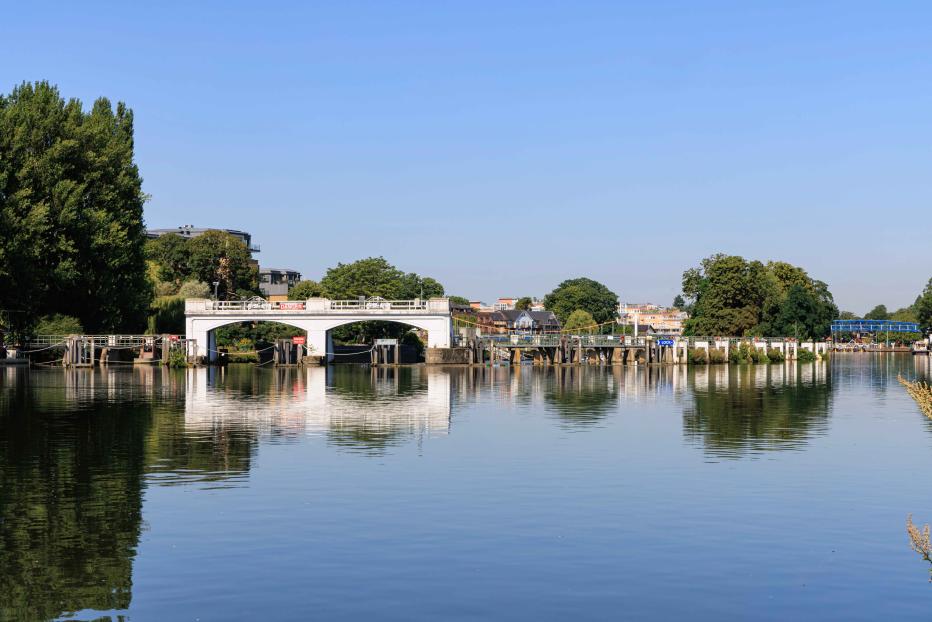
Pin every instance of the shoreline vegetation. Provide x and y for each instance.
(921, 392)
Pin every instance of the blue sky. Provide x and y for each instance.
(502, 147)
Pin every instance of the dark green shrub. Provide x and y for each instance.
(177, 359)
(805, 356)
(734, 356)
(775, 355)
(717, 356)
(745, 353)
(698, 357)
(759, 356)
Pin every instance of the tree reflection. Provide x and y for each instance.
(581, 396)
(70, 504)
(739, 410)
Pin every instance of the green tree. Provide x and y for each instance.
(733, 296)
(679, 303)
(524, 303)
(219, 257)
(877, 313)
(58, 324)
(847, 315)
(923, 308)
(579, 320)
(586, 294)
(459, 300)
(71, 211)
(305, 289)
(172, 255)
(802, 315)
(728, 294)
(374, 276)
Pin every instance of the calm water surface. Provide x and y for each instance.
(770, 492)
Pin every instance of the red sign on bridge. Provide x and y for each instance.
(291, 306)
(299, 341)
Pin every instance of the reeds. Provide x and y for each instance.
(919, 541)
(919, 391)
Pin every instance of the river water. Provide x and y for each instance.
(771, 492)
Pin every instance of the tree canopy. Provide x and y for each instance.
(877, 313)
(585, 294)
(733, 296)
(213, 256)
(578, 320)
(923, 308)
(374, 276)
(305, 289)
(71, 206)
(524, 303)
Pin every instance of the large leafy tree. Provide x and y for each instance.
(582, 293)
(71, 206)
(219, 257)
(171, 254)
(304, 290)
(579, 320)
(733, 296)
(523, 303)
(375, 276)
(877, 313)
(923, 308)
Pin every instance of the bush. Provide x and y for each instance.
(775, 355)
(717, 356)
(805, 356)
(59, 324)
(760, 356)
(697, 357)
(734, 356)
(745, 353)
(177, 358)
(194, 289)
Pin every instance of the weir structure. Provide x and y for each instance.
(316, 316)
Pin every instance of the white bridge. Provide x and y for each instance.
(316, 316)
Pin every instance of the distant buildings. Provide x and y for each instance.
(515, 320)
(661, 320)
(274, 283)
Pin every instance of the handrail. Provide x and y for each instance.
(320, 305)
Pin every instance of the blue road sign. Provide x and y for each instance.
(665, 342)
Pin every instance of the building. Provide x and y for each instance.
(274, 283)
(513, 320)
(505, 304)
(190, 231)
(663, 321)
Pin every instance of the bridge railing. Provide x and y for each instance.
(321, 305)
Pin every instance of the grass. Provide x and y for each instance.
(919, 391)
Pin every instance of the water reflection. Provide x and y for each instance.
(357, 409)
(70, 495)
(744, 410)
(78, 448)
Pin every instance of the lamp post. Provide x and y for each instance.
(216, 287)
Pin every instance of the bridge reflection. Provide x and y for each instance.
(369, 412)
